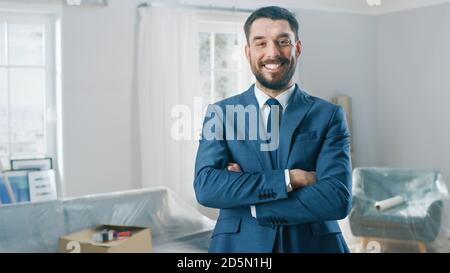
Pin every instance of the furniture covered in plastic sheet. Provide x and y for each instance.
(400, 204)
(175, 225)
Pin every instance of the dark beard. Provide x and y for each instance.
(279, 84)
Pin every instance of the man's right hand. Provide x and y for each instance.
(300, 178)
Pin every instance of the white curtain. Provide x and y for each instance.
(166, 75)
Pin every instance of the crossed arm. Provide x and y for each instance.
(327, 197)
(298, 178)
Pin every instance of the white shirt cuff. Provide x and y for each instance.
(253, 211)
(287, 179)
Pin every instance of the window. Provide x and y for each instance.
(26, 86)
(223, 68)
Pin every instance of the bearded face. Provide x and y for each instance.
(274, 73)
(272, 53)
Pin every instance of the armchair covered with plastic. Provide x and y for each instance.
(399, 204)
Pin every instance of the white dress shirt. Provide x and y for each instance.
(283, 99)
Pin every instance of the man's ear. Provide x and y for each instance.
(298, 48)
(247, 52)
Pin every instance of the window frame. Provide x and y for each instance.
(223, 23)
(49, 65)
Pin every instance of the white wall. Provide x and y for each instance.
(413, 83)
(100, 136)
(339, 58)
(99, 130)
(393, 66)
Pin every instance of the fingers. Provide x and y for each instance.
(300, 178)
(234, 167)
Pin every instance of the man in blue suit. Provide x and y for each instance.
(283, 190)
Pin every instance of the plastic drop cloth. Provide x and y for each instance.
(175, 225)
(423, 216)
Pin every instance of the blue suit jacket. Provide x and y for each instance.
(313, 137)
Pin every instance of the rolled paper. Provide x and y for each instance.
(389, 203)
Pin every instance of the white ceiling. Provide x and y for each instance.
(353, 6)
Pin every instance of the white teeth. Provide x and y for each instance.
(272, 66)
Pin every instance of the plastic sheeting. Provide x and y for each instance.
(175, 225)
(414, 206)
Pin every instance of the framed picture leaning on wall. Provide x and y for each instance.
(42, 164)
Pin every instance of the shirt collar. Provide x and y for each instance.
(282, 98)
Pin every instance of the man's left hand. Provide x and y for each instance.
(234, 167)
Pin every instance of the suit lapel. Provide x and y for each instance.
(298, 107)
(264, 157)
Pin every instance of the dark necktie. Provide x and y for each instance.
(273, 156)
(272, 102)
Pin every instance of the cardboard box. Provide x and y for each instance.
(81, 242)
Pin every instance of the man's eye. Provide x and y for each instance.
(260, 44)
(284, 42)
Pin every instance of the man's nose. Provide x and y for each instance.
(272, 50)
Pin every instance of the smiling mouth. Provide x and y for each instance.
(273, 67)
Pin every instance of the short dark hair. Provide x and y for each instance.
(274, 13)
